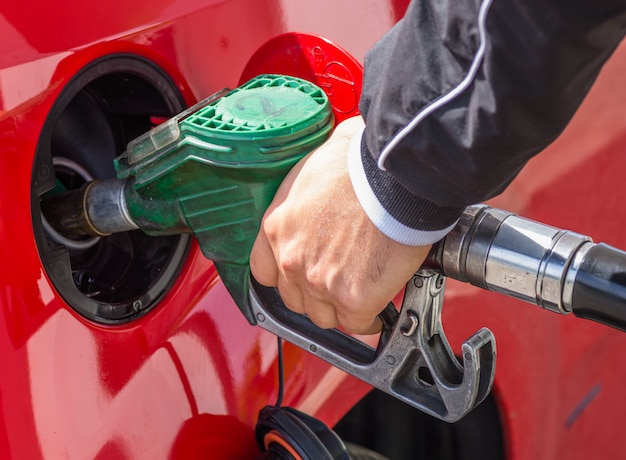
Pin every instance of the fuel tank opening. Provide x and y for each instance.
(117, 278)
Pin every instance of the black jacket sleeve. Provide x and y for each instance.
(460, 94)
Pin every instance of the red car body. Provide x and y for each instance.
(187, 378)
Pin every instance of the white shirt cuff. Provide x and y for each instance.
(384, 221)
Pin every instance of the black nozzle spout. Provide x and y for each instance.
(98, 208)
(66, 213)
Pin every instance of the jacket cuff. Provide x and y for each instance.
(400, 215)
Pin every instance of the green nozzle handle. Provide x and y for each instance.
(214, 169)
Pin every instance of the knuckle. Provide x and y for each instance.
(347, 301)
(289, 265)
(317, 283)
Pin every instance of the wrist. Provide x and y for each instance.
(400, 215)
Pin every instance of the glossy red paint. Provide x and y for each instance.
(186, 379)
(192, 373)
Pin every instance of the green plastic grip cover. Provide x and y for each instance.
(214, 169)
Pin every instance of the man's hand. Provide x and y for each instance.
(321, 251)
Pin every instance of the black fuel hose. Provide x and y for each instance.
(599, 292)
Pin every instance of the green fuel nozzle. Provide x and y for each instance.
(211, 171)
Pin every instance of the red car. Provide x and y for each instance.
(129, 346)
